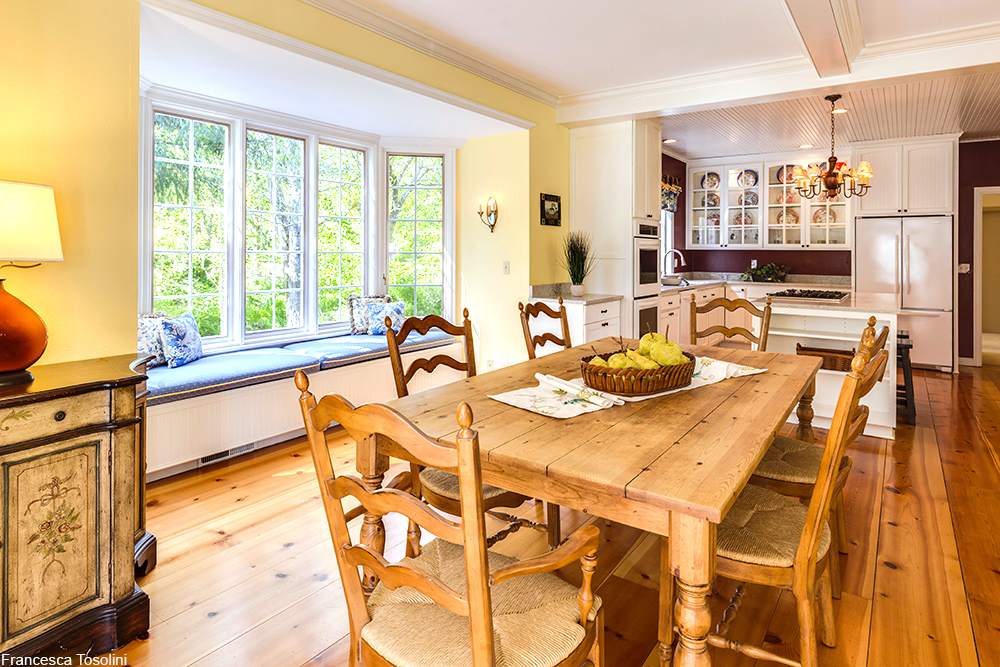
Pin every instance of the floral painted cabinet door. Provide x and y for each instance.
(55, 554)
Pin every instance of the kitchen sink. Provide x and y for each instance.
(673, 280)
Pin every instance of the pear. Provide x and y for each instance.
(667, 353)
(598, 361)
(646, 342)
(618, 360)
(640, 360)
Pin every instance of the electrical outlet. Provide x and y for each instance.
(489, 364)
(753, 263)
(506, 268)
(965, 268)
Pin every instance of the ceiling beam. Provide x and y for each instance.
(831, 51)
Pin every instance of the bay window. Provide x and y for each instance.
(262, 225)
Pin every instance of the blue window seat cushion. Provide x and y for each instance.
(225, 371)
(346, 350)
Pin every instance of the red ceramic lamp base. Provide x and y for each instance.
(23, 339)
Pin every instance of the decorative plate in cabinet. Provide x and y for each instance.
(710, 181)
(748, 198)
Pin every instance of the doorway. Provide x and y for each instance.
(986, 321)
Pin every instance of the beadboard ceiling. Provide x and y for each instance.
(967, 104)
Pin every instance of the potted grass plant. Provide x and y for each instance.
(578, 259)
(768, 273)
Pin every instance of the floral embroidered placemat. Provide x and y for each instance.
(555, 397)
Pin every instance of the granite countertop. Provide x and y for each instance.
(692, 284)
(586, 299)
(777, 287)
(857, 302)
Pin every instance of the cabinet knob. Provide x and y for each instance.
(904, 210)
(899, 210)
(59, 416)
(604, 324)
(604, 311)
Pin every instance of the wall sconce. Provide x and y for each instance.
(491, 213)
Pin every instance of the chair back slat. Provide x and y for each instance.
(374, 420)
(732, 305)
(385, 501)
(383, 426)
(535, 310)
(848, 423)
(394, 575)
(422, 325)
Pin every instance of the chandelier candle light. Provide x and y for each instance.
(838, 178)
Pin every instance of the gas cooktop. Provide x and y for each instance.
(809, 295)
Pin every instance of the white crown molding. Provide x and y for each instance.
(418, 41)
(986, 32)
(847, 14)
(978, 139)
(672, 153)
(605, 104)
(419, 145)
(245, 28)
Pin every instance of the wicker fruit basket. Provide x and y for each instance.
(636, 381)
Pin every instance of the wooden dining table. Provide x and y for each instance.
(671, 465)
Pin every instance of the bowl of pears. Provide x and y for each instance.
(655, 366)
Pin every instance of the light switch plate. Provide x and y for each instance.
(964, 268)
(506, 268)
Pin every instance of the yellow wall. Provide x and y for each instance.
(991, 271)
(69, 82)
(494, 166)
(70, 119)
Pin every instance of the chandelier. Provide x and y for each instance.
(838, 178)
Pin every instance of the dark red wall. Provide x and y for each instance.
(811, 262)
(978, 167)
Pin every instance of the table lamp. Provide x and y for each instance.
(29, 232)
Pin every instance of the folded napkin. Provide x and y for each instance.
(555, 397)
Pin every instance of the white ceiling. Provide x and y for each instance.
(886, 20)
(574, 46)
(191, 55)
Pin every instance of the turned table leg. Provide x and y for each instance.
(372, 465)
(805, 414)
(665, 634)
(692, 556)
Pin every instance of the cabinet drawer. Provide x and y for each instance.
(671, 301)
(599, 330)
(706, 295)
(598, 312)
(59, 415)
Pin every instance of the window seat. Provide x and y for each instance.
(222, 404)
(241, 368)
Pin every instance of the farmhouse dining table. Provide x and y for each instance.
(671, 465)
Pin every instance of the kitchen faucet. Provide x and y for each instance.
(666, 259)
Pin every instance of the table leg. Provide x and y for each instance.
(692, 556)
(666, 630)
(372, 465)
(554, 520)
(805, 414)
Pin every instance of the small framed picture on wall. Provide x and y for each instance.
(551, 210)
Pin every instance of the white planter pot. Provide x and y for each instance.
(576, 290)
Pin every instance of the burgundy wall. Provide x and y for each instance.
(677, 169)
(978, 167)
(812, 262)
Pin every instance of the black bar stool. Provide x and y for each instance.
(904, 392)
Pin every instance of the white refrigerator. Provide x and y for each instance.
(912, 258)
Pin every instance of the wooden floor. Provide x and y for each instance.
(246, 572)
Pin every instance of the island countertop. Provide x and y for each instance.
(857, 301)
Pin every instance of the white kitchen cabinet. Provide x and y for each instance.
(725, 206)
(931, 334)
(588, 321)
(646, 169)
(794, 221)
(670, 316)
(910, 177)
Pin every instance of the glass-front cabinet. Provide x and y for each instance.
(751, 205)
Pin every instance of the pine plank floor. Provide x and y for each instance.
(246, 572)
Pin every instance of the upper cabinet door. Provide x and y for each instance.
(929, 170)
(886, 194)
(742, 197)
(646, 169)
(705, 207)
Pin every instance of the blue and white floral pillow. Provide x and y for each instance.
(149, 343)
(377, 312)
(181, 340)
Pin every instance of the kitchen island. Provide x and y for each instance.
(838, 326)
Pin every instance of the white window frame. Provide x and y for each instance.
(239, 118)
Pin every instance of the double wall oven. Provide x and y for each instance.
(645, 277)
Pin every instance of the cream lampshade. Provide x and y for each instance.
(29, 232)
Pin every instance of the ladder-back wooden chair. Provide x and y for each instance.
(454, 602)
(536, 310)
(791, 467)
(769, 539)
(732, 305)
(440, 488)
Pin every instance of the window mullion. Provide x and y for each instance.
(237, 248)
(310, 227)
